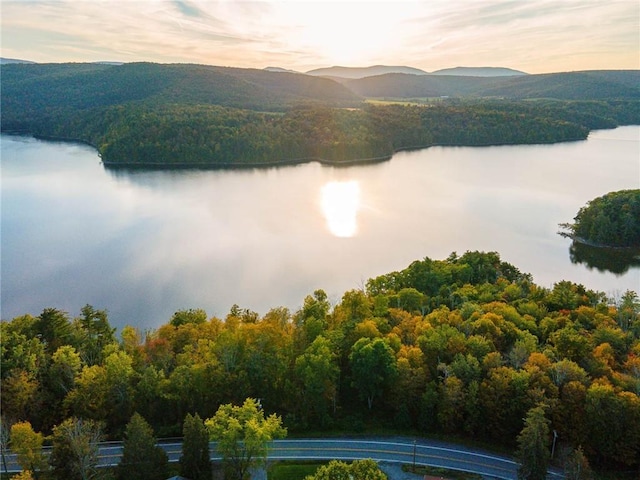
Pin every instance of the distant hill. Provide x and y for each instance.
(278, 69)
(362, 72)
(5, 61)
(591, 85)
(587, 85)
(184, 115)
(400, 85)
(71, 86)
(479, 72)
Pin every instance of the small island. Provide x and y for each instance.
(612, 220)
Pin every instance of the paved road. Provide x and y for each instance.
(391, 449)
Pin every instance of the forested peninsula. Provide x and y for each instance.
(612, 220)
(465, 348)
(145, 114)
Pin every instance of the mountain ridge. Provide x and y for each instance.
(479, 72)
(362, 72)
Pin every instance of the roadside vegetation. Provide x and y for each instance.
(466, 347)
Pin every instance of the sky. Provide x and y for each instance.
(535, 36)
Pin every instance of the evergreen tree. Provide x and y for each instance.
(195, 462)
(142, 459)
(533, 446)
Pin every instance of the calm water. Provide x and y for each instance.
(145, 244)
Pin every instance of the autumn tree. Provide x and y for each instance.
(75, 449)
(141, 459)
(27, 445)
(18, 394)
(195, 462)
(577, 466)
(243, 434)
(23, 475)
(533, 446)
(365, 469)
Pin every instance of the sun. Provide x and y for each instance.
(340, 202)
(343, 33)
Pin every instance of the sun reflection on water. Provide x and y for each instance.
(340, 205)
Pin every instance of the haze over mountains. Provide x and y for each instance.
(363, 72)
(81, 85)
(342, 72)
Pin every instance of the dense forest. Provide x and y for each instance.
(194, 115)
(586, 85)
(612, 220)
(465, 347)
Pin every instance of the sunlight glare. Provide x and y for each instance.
(340, 205)
(345, 33)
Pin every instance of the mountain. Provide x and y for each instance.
(362, 72)
(591, 85)
(479, 72)
(278, 69)
(587, 85)
(27, 89)
(400, 85)
(5, 61)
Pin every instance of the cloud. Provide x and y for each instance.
(535, 36)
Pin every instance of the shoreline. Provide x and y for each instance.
(276, 163)
(590, 243)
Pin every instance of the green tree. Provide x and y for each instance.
(142, 459)
(365, 469)
(58, 381)
(317, 371)
(182, 317)
(53, 328)
(27, 445)
(533, 446)
(243, 434)
(75, 449)
(373, 367)
(94, 332)
(195, 462)
(613, 424)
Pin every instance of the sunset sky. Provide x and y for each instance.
(536, 36)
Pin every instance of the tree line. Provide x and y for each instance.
(467, 347)
(212, 135)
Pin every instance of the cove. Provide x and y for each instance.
(143, 244)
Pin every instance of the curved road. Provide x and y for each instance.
(391, 449)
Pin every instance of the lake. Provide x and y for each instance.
(144, 244)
